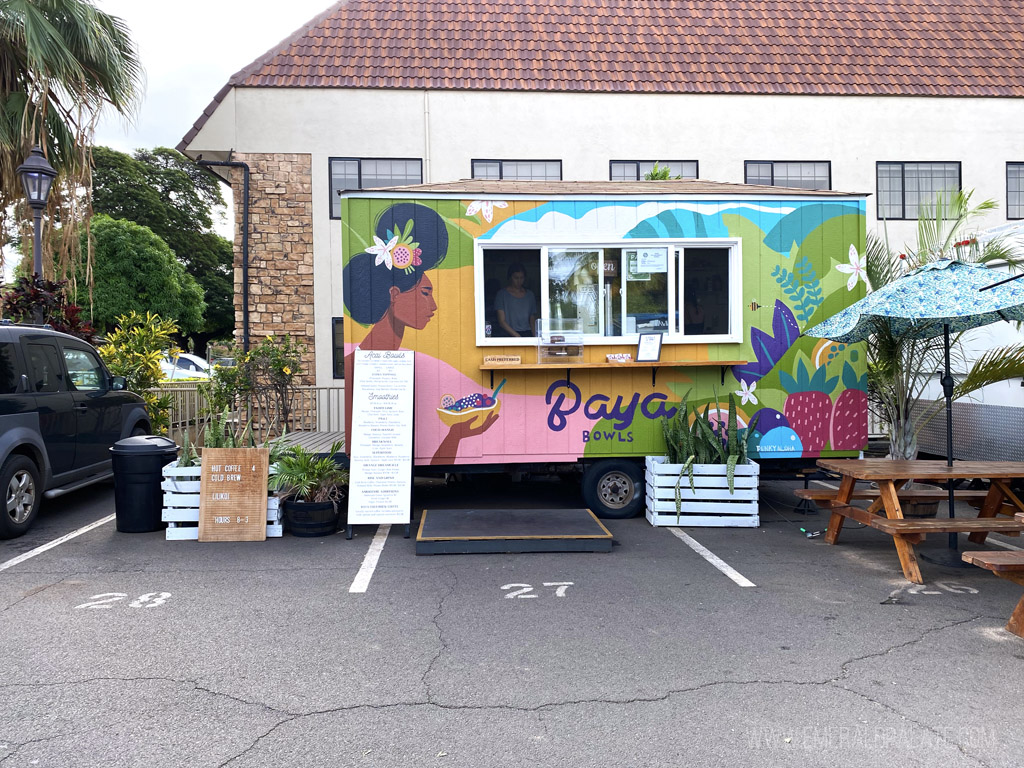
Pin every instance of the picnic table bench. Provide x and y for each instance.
(906, 533)
(1009, 566)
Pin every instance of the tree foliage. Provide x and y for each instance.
(165, 191)
(61, 63)
(135, 271)
(134, 350)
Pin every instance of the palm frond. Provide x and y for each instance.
(995, 365)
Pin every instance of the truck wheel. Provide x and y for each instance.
(23, 493)
(614, 488)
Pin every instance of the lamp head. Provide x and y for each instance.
(37, 176)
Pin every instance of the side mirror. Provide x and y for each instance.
(118, 383)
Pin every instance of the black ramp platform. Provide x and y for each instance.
(479, 531)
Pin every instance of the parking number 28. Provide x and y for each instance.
(526, 590)
(107, 600)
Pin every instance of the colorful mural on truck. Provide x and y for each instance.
(409, 283)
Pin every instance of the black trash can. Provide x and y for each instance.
(138, 498)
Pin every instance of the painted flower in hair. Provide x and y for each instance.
(382, 251)
(406, 253)
(746, 392)
(855, 269)
(485, 207)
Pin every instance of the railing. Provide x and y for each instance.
(313, 409)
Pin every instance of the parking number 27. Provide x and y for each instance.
(526, 590)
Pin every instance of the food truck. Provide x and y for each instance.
(556, 325)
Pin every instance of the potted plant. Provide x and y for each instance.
(706, 479)
(314, 486)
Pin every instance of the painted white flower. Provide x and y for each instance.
(383, 250)
(855, 269)
(486, 207)
(746, 392)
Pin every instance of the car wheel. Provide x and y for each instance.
(23, 493)
(614, 488)
(137, 431)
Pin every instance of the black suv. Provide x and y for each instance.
(60, 411)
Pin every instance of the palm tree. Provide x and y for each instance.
(899, 367)
(61, 63)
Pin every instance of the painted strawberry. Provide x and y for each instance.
(808, 408)
(850, 413)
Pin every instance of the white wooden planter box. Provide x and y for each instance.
(181, 505)
(709, 503)
(181, 479)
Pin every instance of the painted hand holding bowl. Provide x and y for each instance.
(475, 407)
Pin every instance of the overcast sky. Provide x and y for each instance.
(189, 49)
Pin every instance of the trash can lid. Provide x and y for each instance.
(145, 444)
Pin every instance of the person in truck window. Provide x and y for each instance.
(515, 305)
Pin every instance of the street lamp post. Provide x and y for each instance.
(36, 178)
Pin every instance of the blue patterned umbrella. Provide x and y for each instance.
(935, 299)
(944, 294)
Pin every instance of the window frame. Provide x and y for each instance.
(332, 193)
(903, 184)
(611, 164)
(1020, 192)
(501, 166)
(773, 163)
(674, 335)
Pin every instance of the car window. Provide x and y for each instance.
(8, 375)
(85, 370)
(45, 368)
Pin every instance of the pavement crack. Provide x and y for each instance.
(844, 671)
(442, 643)
(195, 685)
(36, 591)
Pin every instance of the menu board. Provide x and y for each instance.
(380, 452)
(233, 494)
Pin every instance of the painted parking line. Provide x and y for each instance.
(362, 579)
(56, 542)
(712, 558)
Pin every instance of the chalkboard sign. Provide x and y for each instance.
(233, 494)
(380, 470)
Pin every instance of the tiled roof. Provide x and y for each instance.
(545, 189)
(862, 47)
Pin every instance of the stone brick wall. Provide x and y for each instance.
(280, 250)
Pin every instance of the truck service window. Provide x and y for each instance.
(615, 290)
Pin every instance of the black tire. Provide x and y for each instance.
(138, 431)
(22, 494)
(613, 489)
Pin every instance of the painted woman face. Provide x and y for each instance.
(415, 308)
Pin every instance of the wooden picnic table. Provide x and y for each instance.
(891, 475)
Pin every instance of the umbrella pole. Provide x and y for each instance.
(950, 559)
(947, 390)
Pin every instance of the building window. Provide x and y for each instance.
(635, 170)
(518, 170)
(687, 290)
(338, 346)
(801, 175)
(370, 173)
(904, 188)
(1015, 190)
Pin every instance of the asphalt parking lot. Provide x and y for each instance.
(128, 650)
